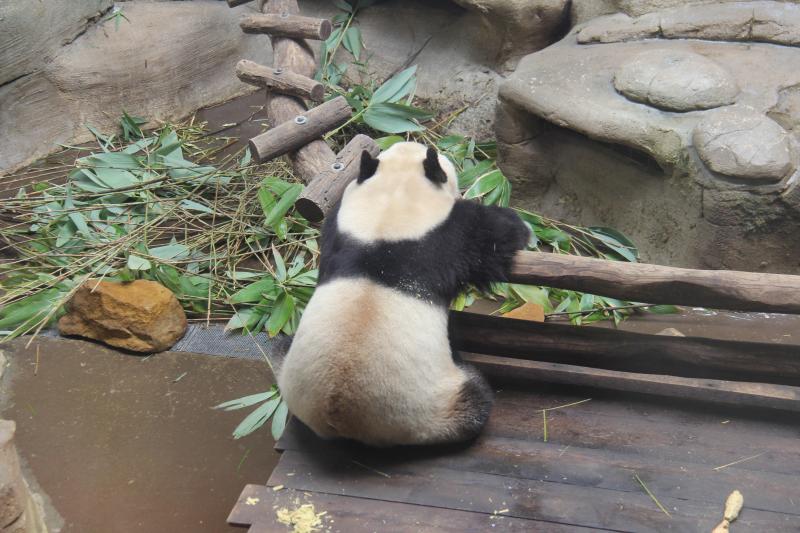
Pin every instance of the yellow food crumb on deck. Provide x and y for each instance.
(277, 487)
(252, 501)
(304, 519)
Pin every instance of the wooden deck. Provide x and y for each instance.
(581, 478)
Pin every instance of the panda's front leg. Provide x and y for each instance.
(499, 234)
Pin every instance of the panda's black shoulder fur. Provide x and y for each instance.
(475, 244)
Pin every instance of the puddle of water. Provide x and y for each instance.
(130, 444)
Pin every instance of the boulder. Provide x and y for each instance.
(606, 128)
(142, 316)
(745, 144)
(675, 81)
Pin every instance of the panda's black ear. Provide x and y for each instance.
(433, 170)
(369, 165)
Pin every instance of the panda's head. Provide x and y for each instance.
(402, 194)
(411, 162)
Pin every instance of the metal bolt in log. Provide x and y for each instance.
(279, 80)
(293, 134)
(287, 25)
(235, 3)
(325, 189)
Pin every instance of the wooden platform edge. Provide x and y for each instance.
(705, 390)
(612, 349)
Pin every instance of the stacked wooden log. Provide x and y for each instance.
(741, 373)
(297, 130)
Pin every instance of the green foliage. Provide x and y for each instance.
(272, 405)
(380, 108)
(140, 207)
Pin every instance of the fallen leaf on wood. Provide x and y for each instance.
(528, 311)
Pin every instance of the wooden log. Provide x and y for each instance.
(725, 392)
(325, 189)
(297, 56)
(287, 25)
(302, 129)
(280, 80)
(639, 282)
(235, 3)
(611, 349)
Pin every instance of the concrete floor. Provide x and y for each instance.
(122, 443)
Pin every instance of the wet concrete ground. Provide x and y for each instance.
(122, 443)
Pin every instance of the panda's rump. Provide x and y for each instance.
(371, 363)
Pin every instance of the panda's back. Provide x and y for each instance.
(370, 362)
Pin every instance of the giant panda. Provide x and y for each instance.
(371, 360)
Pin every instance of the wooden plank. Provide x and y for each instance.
(347, 514)
(571, 465)
(626, 351)
(655, 431)
(702, 390)
(301, 130)
(287, 25)
(639, 282)
(591, 507)
(296, 56)
(279, 80)
(324, 190)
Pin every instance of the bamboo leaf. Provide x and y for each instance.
(352, 41)
(247, 401)
(286, 201)
(264, 288)
(257, 418)
(284, 307)
(279, 420)
(395, 88)
(136, 262)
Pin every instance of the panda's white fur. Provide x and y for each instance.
(398, 202)
(371, 359)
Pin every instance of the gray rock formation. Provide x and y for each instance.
(167, 60)
(20, 509)
(523, 26)
(743, 143)
(690, 146)
(675, 81)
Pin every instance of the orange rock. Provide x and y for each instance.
(528, 311)
(143, 316)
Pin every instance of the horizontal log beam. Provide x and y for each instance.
(287, 25)
(654, 284)
(301, 130)
(325, 189)
(723, 392)
(610, 349)
(279, 80)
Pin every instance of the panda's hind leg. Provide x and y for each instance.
(470, 408)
